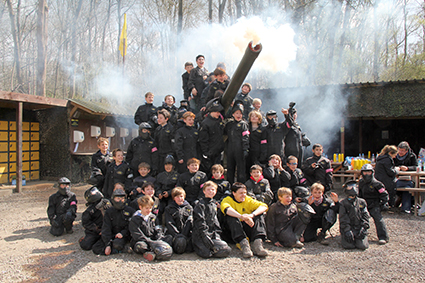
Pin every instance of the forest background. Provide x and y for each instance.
(70, 48)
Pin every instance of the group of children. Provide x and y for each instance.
(215, 214)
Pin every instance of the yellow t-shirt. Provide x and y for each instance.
(246, 207)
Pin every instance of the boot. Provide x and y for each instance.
(245, 248)
(258, 249)
(321, 239)
(297, 245)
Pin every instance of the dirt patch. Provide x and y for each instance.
(31, 254)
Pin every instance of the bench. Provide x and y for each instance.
(416, 193)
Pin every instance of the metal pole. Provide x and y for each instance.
(19, 114)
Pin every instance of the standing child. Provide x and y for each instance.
(115, 233)
(92, 217)
(258, 187)
(99, 163)
(206, 228)
(188, 66)
(118, 172)
(165, 182)
(237, 145)
(62, 208)
(284, 224)
(186, 141)
(353, 219)
(179, 221)
(376, 197)
(146, 238)
(318, 168)
(326, 210)
(164, 138)
(147, 113)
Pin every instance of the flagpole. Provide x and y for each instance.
(123, 56)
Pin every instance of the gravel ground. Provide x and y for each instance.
(30, 254)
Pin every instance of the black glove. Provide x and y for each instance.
(385, 206)
(349, 236)
(68, 216)
(362, 233)
(55, 222)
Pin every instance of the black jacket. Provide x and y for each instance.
(237, 135)
(257, 148)
(373, 192)
(101, 161)
(191, 183)
(60, 204)
(196, 80)
(260, 190)
(211, 136)
(92, 219)
(166, 182)
(185, 87)
(116, 221)
(353, 216)
(143, 231)
(247, 103)
(223, 189)
(117, 174)
(186, 142)
(277, 178)
(164, 139)
(179, 219)
(385, 171)
(146, 113)
(142, 150)
(274, 141)
(321, 173)
(205, 223)
(410, 160)
(296, 178)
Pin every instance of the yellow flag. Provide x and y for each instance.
(123, 38)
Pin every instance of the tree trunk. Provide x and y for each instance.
(376, 45)
(180, 17)
(221, 7)
(210, 11)
(41, 47)
(16, 49)
(74, 47)
(238, 5)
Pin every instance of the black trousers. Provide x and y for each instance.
(239, 230)
(292, 233)
(87, 242)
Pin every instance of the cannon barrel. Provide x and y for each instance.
(251, 53)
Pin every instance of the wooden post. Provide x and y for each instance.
(343, 136)
(19, 114)
(360, 136)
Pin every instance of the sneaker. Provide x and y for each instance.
(245, 248)
(298, 245)
(405, 211)
(382, 242)
(258, 249)
(149, 256)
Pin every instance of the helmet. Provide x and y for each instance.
(330, 216)
(238, 105)
(118, 204)
(179, 244)
(64, 180)
(145, 125)
(301, 192)
(162, 249)
(93, 195)
(351, 188)
(367, 167)
(305, 211)
(169, 159)
(214, 105)
(271, 121)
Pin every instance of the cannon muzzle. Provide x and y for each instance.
(251, 53)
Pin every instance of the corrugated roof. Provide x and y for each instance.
(104, 107)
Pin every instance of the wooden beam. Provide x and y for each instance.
(27, 98)
(19, 114)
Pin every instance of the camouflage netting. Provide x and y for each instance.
(55, 158)
(80, 168)
(389, 100)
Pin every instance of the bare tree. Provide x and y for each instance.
(41, 47)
